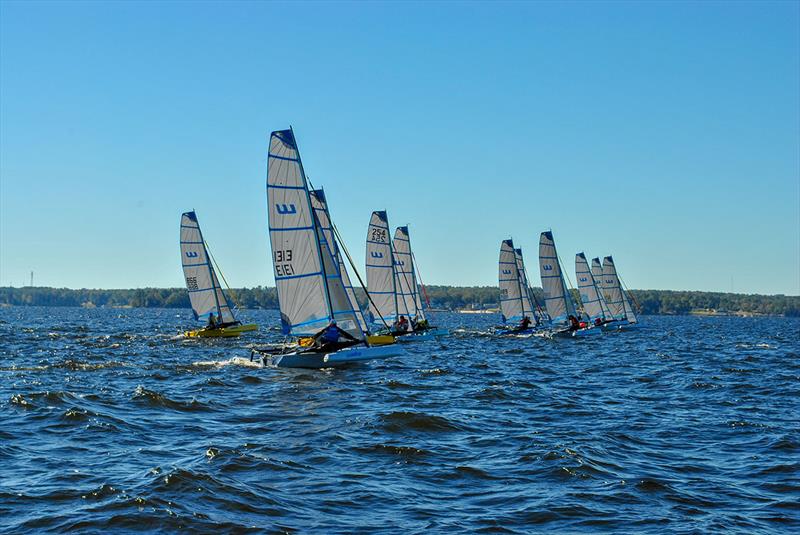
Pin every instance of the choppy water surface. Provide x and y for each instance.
(106, 423)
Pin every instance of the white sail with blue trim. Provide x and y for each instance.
(597, 274)
(381, 278)
(320, 205)
(511, 298)
(616, 297)
(556, 296)
(587, 288)
(527, 292)
(407, 287)
(205, 292)
(310, 289)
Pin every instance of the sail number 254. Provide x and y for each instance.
(283, 266)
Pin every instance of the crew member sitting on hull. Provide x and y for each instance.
(330, 335)
(420, 325)
(525, 323)
(212, 322)
(574, 324)
(401, 325)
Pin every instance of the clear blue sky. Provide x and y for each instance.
(667, 134)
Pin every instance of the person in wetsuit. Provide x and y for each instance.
(330, 336)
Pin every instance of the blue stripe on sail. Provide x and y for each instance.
(382, 293)
(512, 263)
(202, 290)
(309, 322)
(191, 242)
(377, 266)
(508, 280)
(286, 229)
(276, 186)
(195, 265)
(510, 299)
(298, 276)
(550, 276)
(190, 226)
(371, 224)
(283, 158)
(378, 242)
(401, 239)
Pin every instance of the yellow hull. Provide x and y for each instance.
(380, 339)
(225, 332)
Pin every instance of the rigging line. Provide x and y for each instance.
(222, 275)
(627, 291)
(421, 283)
(350, 259)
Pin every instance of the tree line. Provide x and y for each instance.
(442, 297)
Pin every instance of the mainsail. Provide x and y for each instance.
(381, 277)
(512, 301)
(587, 287)
(407, 287)
(320, 205)
(616, 297)
(556, 296)
(528, 300)
(311, 291)
(205, 292)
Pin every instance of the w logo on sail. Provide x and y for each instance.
(547, 267)
(285, 210)
(583, 279)
(506, 272)
(191, 254)
(376, 254)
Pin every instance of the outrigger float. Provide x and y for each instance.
(205, 292)
(313, 285)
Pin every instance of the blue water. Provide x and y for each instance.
(108, 424)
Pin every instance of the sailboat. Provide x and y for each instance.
(320, 206)
(538, 313)
(594, 304)
(617, 298)
(209, 302)
(515, 297)
(392, 282)
(557, 298)
(311, 286)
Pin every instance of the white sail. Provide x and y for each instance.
(381, 278)
(597, 275)
(320, 205)
(511, 298)
(525, 289)
(310, 290)
(556, 296)
(407, 287)
(589, 292)
(617, 298)
(205, 292)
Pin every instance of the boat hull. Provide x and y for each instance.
(224, 332)
(343, 357)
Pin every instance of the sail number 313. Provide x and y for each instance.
(283, 266)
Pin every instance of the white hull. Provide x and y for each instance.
(331, 360)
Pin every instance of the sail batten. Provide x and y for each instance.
(205, 292)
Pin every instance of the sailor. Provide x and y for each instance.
(212, 322)
(598, 322)
(574, 324)
(331, 335)
(401, 325)
(525, 323)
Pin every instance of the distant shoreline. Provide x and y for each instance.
(466, 299)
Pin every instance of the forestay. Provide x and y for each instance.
(407, 287)
(616, 297)
(587, 287)
(320, 205)
(556, 296)
(205, 292)
(310, 289)
(381, 278)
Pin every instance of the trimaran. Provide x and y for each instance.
(209, 302)
(311, 280)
